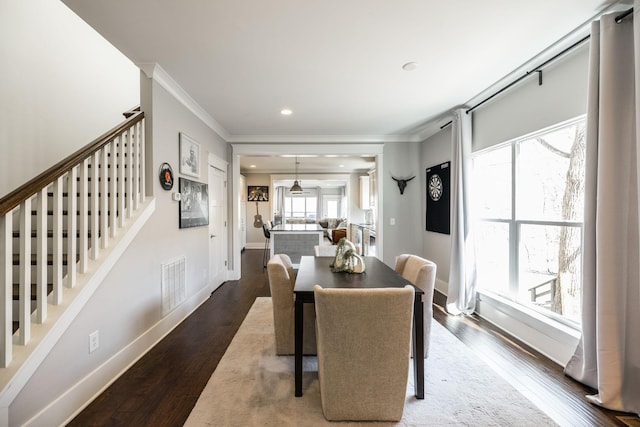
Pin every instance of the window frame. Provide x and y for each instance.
(515, 223)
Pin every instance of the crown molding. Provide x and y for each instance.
(159, 75)
(320, 139)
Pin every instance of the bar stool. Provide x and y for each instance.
(267, 237)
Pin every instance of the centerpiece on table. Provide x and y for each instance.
(347, 260)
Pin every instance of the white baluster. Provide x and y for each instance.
(6, 288)
(24, 302)
(121, 188)
(113, 187)
(72, 226)
(143, 174)
(83, 220)
(41, 251)
(95, 205)
(135, 166)
(104, 196)
(129, 171)
(56, 244)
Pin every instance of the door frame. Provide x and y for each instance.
(237, 150)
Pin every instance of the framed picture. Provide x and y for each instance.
(438, 199)
(189, 156)
(194, 203)
(258, 193)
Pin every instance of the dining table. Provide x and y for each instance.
(317, 271)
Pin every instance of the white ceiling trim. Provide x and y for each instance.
(302, 149)
(318, 139)
(156, 72)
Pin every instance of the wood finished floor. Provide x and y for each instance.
(163, 386)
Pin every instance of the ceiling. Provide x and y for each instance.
(338, 65)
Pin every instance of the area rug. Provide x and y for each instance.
(253, 387)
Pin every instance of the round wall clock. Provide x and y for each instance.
(166, 176)
(435, 187)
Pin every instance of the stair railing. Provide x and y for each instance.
(54, 224)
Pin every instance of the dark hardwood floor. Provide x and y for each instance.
(164, 385)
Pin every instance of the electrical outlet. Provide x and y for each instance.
(94, 341)
(392, 221)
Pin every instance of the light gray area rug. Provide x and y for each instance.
(253, 387)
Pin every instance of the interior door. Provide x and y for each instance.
(217, 226)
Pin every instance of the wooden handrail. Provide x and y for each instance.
(27, 190)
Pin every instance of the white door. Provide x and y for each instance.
(217, 226)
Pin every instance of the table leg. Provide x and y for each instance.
(299, 326)
(418, 347)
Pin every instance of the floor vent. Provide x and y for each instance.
(174, 284)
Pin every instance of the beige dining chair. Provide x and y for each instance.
(422, 273)
(363, 337)
(325, 250)
(281, 282)
(329, 250)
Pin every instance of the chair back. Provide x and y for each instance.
(282, 280)
(265, 230)
(422, 273)
(363, 337)
(325, 250)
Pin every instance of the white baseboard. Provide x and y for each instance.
(74, 400)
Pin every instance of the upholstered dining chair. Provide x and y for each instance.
(363, 337)
(422, 273)
(281, 282)
(325, 250)
(329, 250)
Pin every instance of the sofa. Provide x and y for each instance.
(328, 224)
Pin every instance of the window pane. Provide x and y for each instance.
(332, 209)
(492, 184)
(492, 256)
(551, 176)
(549, 271)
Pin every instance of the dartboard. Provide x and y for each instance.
(435, 187)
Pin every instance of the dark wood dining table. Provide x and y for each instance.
(317, 271)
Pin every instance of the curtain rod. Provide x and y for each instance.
(538, 69)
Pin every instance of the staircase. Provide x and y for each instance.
(56, 231)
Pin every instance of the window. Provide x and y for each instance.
(330, 206)
(300, 207)
(528, 201)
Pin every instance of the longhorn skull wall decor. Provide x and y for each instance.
(402, 183)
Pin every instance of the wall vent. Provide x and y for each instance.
(174, 284)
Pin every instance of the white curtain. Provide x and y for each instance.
(461, 296)
(608, 355)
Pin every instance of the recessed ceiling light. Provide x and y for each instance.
(286, 112)
(410, 66)
(252, 166)
(341, 166)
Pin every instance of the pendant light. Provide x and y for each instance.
(295, 188)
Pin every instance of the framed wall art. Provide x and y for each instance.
(189, 156)
(258, 193)
(194, 203)
(438, 198)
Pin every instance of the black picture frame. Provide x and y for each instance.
(258, 193)
(194, 203)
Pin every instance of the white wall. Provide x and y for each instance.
(126, 308)
(255, 236)
(521, 110)
(62, 86)
(402, 160)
